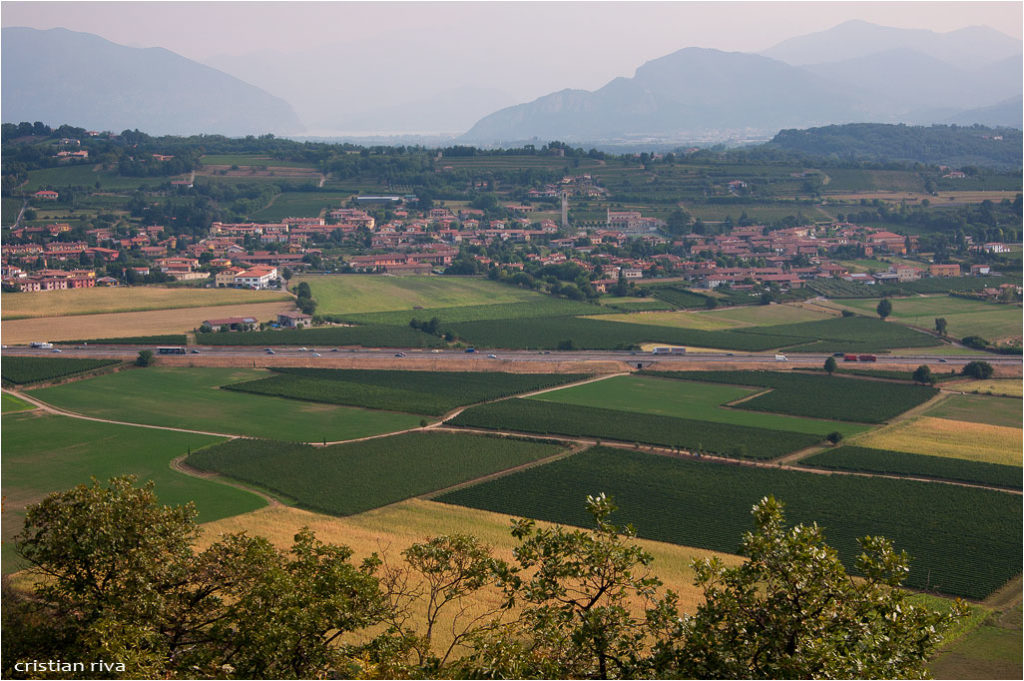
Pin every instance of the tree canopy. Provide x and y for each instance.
(117, 577)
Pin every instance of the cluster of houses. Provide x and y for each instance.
(410, 241)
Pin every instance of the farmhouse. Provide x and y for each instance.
(227, 276)
(258, 277)
(294, 320)
(951, 270)
(232, 324)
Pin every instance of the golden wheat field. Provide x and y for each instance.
(390, 529)
(954, 439)
(87, 301)
(1008, 386)
(127, 324)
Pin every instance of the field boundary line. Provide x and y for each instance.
(576, 449)
(747, 398)
(179, 465)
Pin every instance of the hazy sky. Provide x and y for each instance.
(638, 30)
(316, 55)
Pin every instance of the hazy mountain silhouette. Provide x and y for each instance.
(967, 47)
(905, 83)
(1008, 114)
(855, 72)
(686, 92)
(59, 76)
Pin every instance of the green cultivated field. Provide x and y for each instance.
(680, 297)
(962, 541)
(917, 465)
(359, 476)
(299, 204)
(689, 400)
(863, 333)
(596, 334)
(995, 411)
(768, 315)
(536, 416)
(23, 370)
(419, 392)
(83, 176)
(964, 317)
(12, 404)
(168, 339)
(46, 453)
(991, 651)
(543, 306)
(824, 397)
(836, 288)
(355, 293)
(190, 398)
(679, 319)
(246, 160)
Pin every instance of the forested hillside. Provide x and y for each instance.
(947, 144)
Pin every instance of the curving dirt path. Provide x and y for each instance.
(50, 409)
(178, 465)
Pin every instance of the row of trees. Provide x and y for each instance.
(117, 578)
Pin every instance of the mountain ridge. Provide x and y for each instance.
(58, 75)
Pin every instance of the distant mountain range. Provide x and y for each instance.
(59, 76)
(855, 72)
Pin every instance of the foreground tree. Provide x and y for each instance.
(923, 375)
(940, 325)
(588, 605)
(792, 611)
(117, 578)
(830, 365)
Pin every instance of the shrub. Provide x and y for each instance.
(977, 369)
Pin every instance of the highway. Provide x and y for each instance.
(261, 356)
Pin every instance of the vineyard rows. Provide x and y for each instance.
(826, 397)
(901, 463)
(416, 392)
(536, 416)
(359, 476)
(962, 541)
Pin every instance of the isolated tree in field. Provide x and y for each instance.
(923, 374)
(884, 308)
(144, 359)
(830, 365)
(940, 325)
(977, 369)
